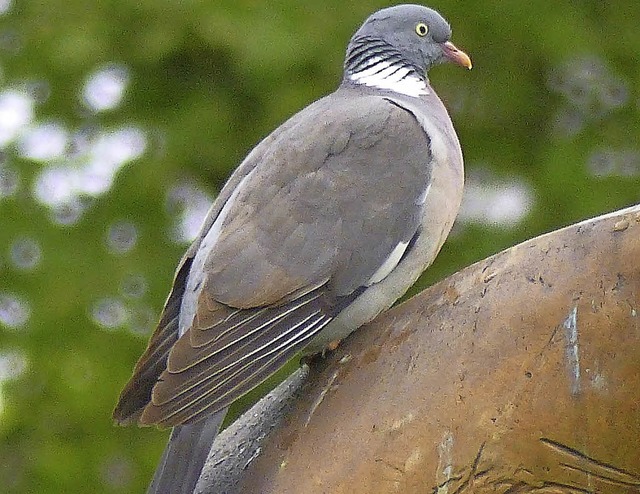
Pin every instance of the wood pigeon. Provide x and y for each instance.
(325, 224)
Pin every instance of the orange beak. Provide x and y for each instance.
(456, 56)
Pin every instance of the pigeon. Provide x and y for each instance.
(326, 223)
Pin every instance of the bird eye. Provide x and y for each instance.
(422, 29)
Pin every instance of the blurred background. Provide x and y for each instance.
(121, 119)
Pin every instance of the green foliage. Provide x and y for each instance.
(551, 106)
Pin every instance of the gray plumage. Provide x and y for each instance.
(326, 223)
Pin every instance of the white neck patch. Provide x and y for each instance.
(385, 75)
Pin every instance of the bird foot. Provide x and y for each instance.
(331, 346)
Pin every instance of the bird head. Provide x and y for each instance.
(407, 35)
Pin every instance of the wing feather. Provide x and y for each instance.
(227, 367)
(240, 384)
(137, 392)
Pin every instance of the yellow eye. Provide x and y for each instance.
(422, 29)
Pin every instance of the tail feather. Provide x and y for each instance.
(183, 458)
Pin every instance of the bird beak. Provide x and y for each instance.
(455, 55)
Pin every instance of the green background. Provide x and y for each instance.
(548, 120)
